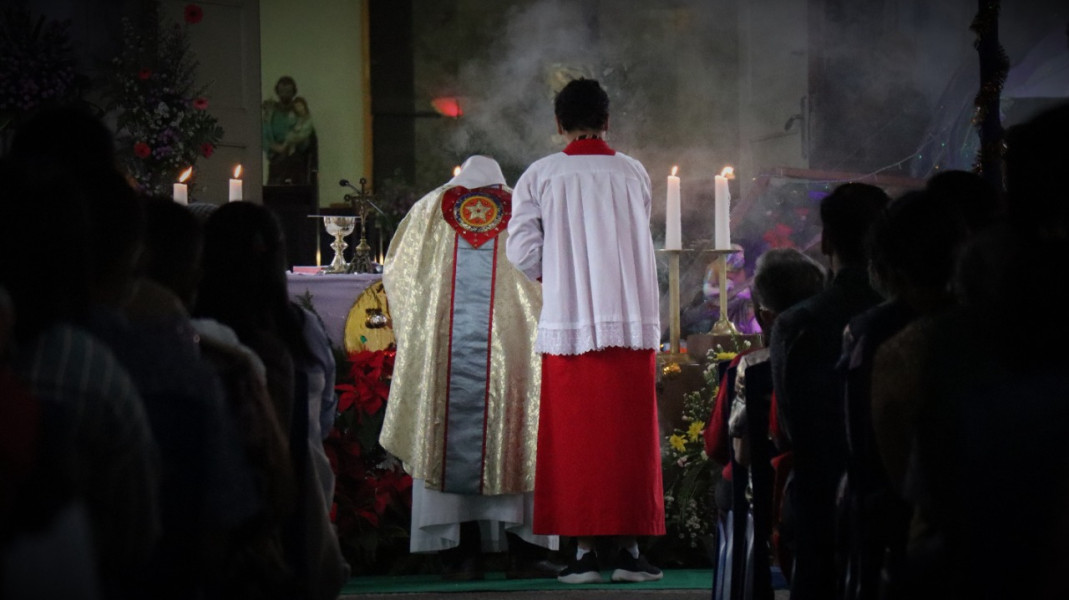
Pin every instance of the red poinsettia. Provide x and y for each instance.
(193, 14)
(779, 236)
(340, 450)
(200, 103)
(373, 365)
(372, 493)
(207, 149)
(370, 373)
(144, 73)
(392, 485)
(142, 150)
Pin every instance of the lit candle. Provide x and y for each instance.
(672, 225)
(181, 191)
(456, 170)
(235, 184)
(722, 210)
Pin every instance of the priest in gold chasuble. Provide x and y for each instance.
(463, 408)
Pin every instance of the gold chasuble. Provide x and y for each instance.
(463, 407)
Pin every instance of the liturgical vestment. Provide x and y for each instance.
(462, 413)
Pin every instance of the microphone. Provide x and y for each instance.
(346, 183)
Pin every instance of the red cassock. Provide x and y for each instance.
(597, 432)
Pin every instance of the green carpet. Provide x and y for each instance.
(674, 579)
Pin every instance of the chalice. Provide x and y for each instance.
(339, 227)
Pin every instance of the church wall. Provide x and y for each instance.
(773, 87)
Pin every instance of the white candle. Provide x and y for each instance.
(180, 193)
(722, 210)
(235, 185)
(672, 225)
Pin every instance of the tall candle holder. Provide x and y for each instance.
(673, 299)
(674, 357)
(723, 325)
(362, 205)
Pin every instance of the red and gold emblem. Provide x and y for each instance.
(477, 215)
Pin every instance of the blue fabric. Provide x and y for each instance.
(469, 355)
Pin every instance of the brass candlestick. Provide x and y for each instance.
(674, 357)
(723, 325)
(673, 300)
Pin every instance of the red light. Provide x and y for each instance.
(447, 106)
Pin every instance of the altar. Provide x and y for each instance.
(332, 296)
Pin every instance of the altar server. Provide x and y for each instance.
(581, 225)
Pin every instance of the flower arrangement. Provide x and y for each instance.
(690, 476)
(372, 495)
(37, 64)
(163, 123)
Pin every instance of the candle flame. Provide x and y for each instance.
(237, 172)
(674, 169)
(185, 175)
(728, 173)
(456, 170)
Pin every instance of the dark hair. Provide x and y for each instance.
(968, 193)
(1036, 155)
(32, 203)
(70, 142)
(846, 214)
(243, 281)
(174, 239)
(784, 277)
(116, 226)
(66, 137)
(582, 104)
(917, 237)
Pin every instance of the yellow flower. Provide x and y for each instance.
(678, 442)
(725, 356)
(696, 429)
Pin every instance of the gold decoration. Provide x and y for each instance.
(723, 325)
(369, 325)
(671, 370)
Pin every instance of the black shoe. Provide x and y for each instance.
(634, 570)
(468, 569)
(583, 570)
(532, 569)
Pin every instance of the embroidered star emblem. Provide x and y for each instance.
(477, 215)
(478, 209)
